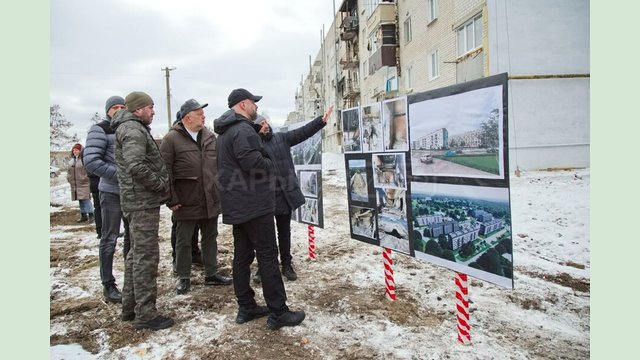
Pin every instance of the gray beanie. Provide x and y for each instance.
(137, 100)
(114, 100)
(259, 119)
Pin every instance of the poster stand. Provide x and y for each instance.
(462, 307)
(388, 275)
(312, 242)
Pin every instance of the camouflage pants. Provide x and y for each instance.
(141, 266)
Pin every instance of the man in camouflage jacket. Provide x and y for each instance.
(144, 187)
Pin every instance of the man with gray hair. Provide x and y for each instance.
(99, 159)
(189, 152)
(144, 187)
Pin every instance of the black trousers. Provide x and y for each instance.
(97, 211)
(256, 238)
(283, 224)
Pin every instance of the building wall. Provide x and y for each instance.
(549, 118)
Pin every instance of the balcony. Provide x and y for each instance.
(349, 28)
(351, 90)
(349, 62)
(384, 56)
(384, 13)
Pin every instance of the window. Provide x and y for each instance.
(373, 42)
(407, 30)
(392, 84)
(407, 77)
(432, 11)
(434, 65)
(470, 35)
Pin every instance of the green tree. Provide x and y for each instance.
(491, 262)
(448, 255)
(443, 242)
(432, 248)
(466, 250)
(489, 131)
(418, 244)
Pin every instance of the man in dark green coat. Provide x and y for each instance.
(144, 187)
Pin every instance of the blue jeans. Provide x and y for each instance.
(111, 216)
(85, 206)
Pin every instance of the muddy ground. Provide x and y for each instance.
(348, 316)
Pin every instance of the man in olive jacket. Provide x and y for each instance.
(246, 178)
(189, 151)
(144, 187)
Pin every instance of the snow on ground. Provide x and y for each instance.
(546, 316)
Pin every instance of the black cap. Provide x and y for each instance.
(188, 107)
(238, 95)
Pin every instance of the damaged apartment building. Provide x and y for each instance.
(376, 50)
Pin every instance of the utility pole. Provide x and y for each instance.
(166, 74)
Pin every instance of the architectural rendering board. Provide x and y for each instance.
(439, 191)
(458, 135)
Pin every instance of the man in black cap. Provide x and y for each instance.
(247, 187)
(189, 152)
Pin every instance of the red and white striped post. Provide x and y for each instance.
(312, 242)
(388, 275)
(462, 307)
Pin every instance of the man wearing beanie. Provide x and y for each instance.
(144, 187)
(99, 160)
(246, 178)
(288, 194)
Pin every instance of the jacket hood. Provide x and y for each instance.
(122, 116)
(224, 122)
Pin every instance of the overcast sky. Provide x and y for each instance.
(103, 48)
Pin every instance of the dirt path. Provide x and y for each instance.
(545, 317)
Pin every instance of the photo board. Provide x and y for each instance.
(439, 189)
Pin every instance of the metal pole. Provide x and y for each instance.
(166, 73)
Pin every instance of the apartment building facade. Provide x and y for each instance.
(377, 50)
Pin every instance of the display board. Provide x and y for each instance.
(439, 189)
(307, 160)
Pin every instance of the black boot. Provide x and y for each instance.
(83, 218)
(90, 217)
(288, 272)
(112, 294)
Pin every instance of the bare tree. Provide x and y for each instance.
(59, 139)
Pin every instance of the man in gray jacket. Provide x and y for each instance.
(99, 159)
(144, 187)
(189, 152)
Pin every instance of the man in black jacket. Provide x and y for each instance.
(246, 179)
(288, 194)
